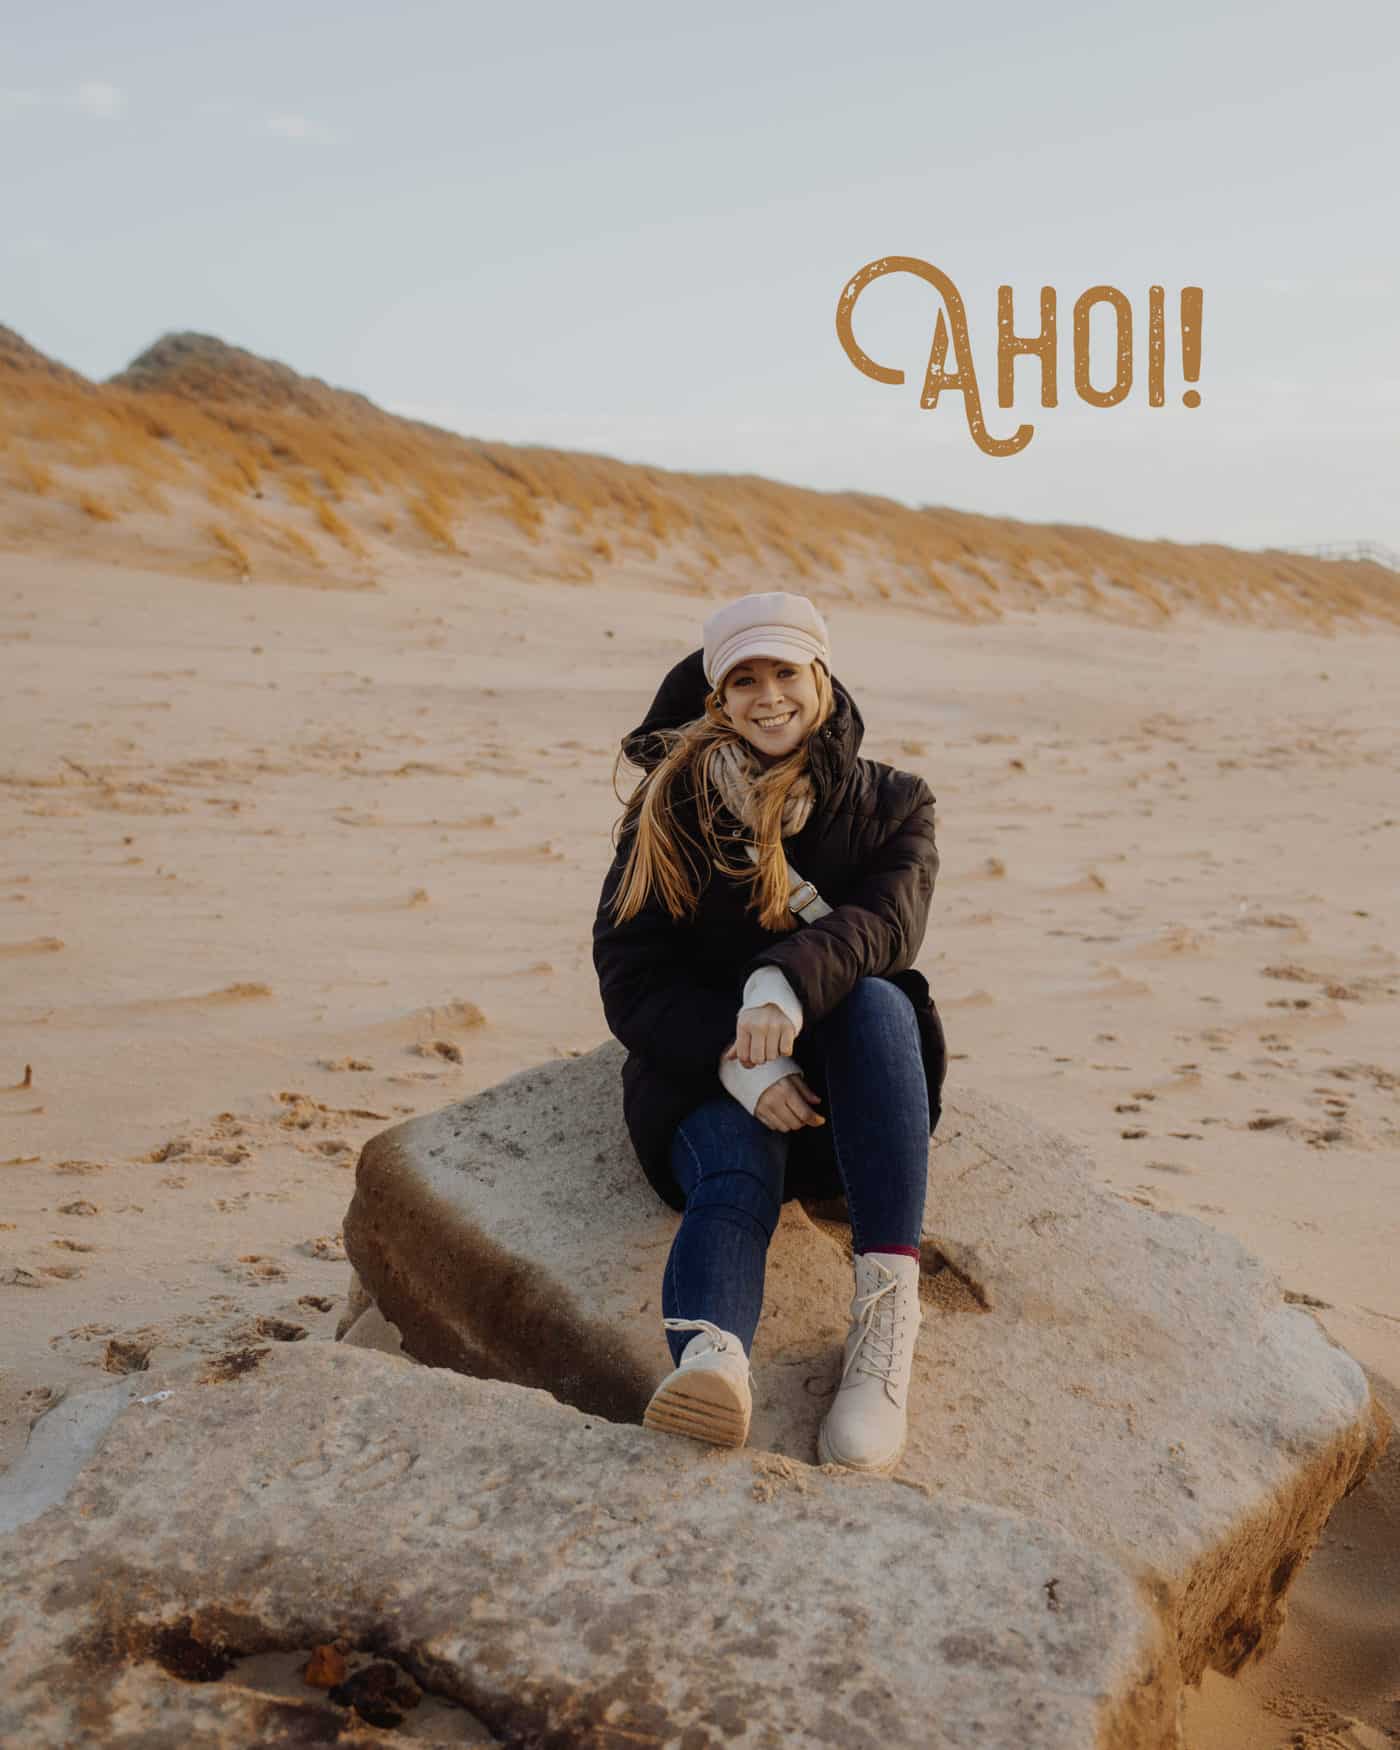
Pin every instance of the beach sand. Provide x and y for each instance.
(286, 864)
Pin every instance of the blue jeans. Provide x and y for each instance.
(864, 1059)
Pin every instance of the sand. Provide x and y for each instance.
(286, 864)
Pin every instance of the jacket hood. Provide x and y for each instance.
(832, 749)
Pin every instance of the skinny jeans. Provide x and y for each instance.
(864, 1059)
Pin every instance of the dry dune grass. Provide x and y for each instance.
(96, 507)
(231, 545)
(195, 426)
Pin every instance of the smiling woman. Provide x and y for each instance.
(746, 1009)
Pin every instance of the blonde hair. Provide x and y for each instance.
(660, 860)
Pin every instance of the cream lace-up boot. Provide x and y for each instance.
(708, 1396)
(865, 1427)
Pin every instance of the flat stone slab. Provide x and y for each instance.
(1130, 1378)
(546, 1577)
(60, 1444)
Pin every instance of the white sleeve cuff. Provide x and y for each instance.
(747, 1085)
(768, 985)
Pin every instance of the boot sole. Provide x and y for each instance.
(703, 1405)
(826, 1456)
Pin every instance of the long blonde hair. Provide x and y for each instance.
(660, 859)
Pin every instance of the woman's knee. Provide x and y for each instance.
(881, 992)
(875, 1000)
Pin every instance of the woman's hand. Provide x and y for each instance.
(762, 1034)
(788, 1104)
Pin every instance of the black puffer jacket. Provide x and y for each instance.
(672, 990)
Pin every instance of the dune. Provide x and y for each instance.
(206, 459)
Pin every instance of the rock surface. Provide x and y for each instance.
(1131, 1379)
(545, 1577)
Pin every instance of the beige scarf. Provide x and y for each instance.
(735, 767)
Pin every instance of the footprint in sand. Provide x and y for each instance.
(16, 1276)
(990, 869)
(80, 1334)
(333, 1146)
(246, 991)
(544, 852)
(438, 1048)
(325, 1247)
(129, 1354)
(1093, 882)
(171, 1150)
(256, 1269)
(1172, 942)
(1112, 985)
(444, 1016)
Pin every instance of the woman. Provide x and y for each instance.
(779, 1041)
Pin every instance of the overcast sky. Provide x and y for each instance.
(625, 227)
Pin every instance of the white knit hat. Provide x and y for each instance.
(785, 627)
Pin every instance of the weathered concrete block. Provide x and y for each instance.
(548, 1578)
(1129, 1377)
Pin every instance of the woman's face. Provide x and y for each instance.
(772, 703)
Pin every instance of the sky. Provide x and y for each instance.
(625, 228)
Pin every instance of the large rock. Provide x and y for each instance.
(1130, 1378)
(547, 1577)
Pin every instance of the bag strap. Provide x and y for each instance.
(803, 899)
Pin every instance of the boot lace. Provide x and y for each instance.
(722, 1341)
(874, 1349)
